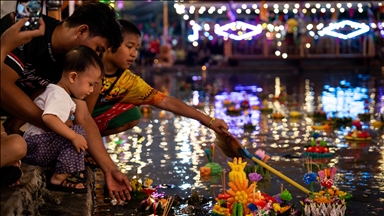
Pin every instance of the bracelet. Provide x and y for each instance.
(212, 120)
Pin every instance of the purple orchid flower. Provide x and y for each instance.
(278, 199)
(255, 177)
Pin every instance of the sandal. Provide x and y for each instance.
(79, 177)
(68, 185)
(9, 175)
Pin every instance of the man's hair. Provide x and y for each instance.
(101, 20)
(129, 27)
(80, 58)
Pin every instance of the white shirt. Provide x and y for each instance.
(55, 101)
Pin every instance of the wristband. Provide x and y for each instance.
(212, 120)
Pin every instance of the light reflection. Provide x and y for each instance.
(173, 149)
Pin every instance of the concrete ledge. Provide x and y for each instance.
(24, 199)
(32, 198)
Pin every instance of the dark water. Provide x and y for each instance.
(172, 150)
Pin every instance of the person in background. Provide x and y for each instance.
(291, 24)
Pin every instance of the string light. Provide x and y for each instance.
(360, 10)
(276, 11)
(241, 34)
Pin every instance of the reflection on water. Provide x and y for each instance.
(345, 101)
(170, 149)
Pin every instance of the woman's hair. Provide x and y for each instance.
(129, 27)
(80, 58)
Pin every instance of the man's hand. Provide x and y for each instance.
(118, 185)
(13, 37)
(80, 143)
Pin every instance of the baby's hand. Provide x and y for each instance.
(69, 123)
(80, 143)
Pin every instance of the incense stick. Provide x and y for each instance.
(165, 212)
(223, 181)
(168, 207)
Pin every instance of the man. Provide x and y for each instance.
(29, 68)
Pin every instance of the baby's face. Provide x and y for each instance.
(85, 82)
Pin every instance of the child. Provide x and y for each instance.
(64, 147)
(115, 110)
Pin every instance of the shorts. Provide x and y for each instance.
(112, 116)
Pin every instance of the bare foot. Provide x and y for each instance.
(58, 178)
(89, 160)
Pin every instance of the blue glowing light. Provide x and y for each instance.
(195, 34)
(239, 27)
(360, 28)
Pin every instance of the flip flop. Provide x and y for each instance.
(9, 175)
(68, 185)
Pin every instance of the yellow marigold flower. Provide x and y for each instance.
(276, 207)
(283, 209)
